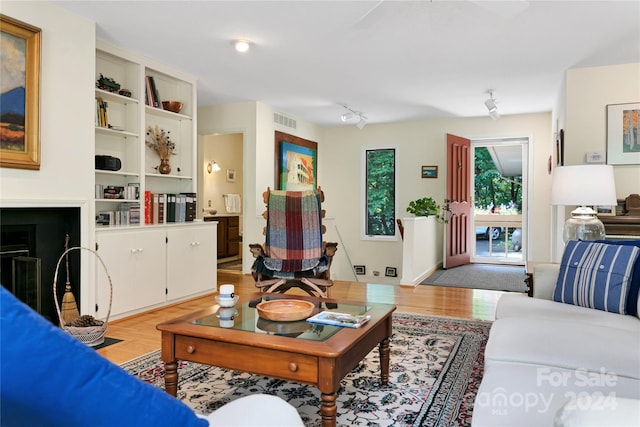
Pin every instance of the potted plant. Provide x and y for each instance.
(427, 207)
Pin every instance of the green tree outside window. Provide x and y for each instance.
(381, 192)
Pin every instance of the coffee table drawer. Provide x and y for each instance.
(273, 363)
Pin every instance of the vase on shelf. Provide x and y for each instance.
(165, 167)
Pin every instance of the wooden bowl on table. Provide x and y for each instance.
(285, 310)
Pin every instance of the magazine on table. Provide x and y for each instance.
(339, 319)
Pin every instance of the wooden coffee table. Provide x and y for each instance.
(295, 351)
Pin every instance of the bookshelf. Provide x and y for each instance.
(121, 123)
(150, 260)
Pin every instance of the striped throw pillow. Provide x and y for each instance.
(595, 275)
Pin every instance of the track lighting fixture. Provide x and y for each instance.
(346, 116)
(212, 166)
(351, 113)
(492, 107)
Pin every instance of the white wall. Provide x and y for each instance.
(583, 108)
(66, 123)
(589, 90)
(422, 143)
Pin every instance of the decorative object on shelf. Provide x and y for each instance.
(160, 141)
(108, 84)
(125, 92)
(583, 186)
(429, 172)
(85, 328)
(20, 132)
(173, 106)
(427, 207)
(165, 167)
(623, 136)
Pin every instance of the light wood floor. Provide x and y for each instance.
(140, 336)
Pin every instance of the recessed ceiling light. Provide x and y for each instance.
(242, 45)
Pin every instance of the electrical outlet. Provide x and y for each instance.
(376, 273)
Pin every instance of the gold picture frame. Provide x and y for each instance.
(20, 95)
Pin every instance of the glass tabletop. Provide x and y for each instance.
(244, 317)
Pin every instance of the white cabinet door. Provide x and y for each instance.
(191, 260)
(136, 260)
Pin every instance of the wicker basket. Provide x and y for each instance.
(90, 335)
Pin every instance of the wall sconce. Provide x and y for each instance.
(212, 166)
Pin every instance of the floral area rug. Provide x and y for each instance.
(436, 367)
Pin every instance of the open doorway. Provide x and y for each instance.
(499, 183)
(220, 189)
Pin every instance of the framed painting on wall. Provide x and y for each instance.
(19, 97)
(623, 134)
(296, 163)
(429, 172)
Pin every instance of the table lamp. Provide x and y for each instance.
(583, 186)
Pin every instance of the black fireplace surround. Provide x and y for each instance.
(38, 233)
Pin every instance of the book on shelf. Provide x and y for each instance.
(102, 113)
(339, 319)
(148, 204)
(190, 206)
(155, 208)
(162, 208)
(171, 208)
(152, 97)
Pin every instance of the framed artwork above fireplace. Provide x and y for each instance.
(19, 97)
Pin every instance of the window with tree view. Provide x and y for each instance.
(380, 192)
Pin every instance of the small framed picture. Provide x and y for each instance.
(231, 175)
(391, 272)
(606, 210)
(429, 171)
(359, 269)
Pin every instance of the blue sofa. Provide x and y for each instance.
(48, 378)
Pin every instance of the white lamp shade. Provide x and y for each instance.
(583, 185)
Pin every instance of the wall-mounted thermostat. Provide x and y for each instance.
(595, 157)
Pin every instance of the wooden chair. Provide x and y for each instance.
(294, 254)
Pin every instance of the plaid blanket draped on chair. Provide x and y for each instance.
(294, 232)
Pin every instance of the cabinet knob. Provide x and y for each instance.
(191, 349)
(134, 250)
(293, 367)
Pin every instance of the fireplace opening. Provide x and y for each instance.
(31, 242)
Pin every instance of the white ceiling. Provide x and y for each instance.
(392, 60)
